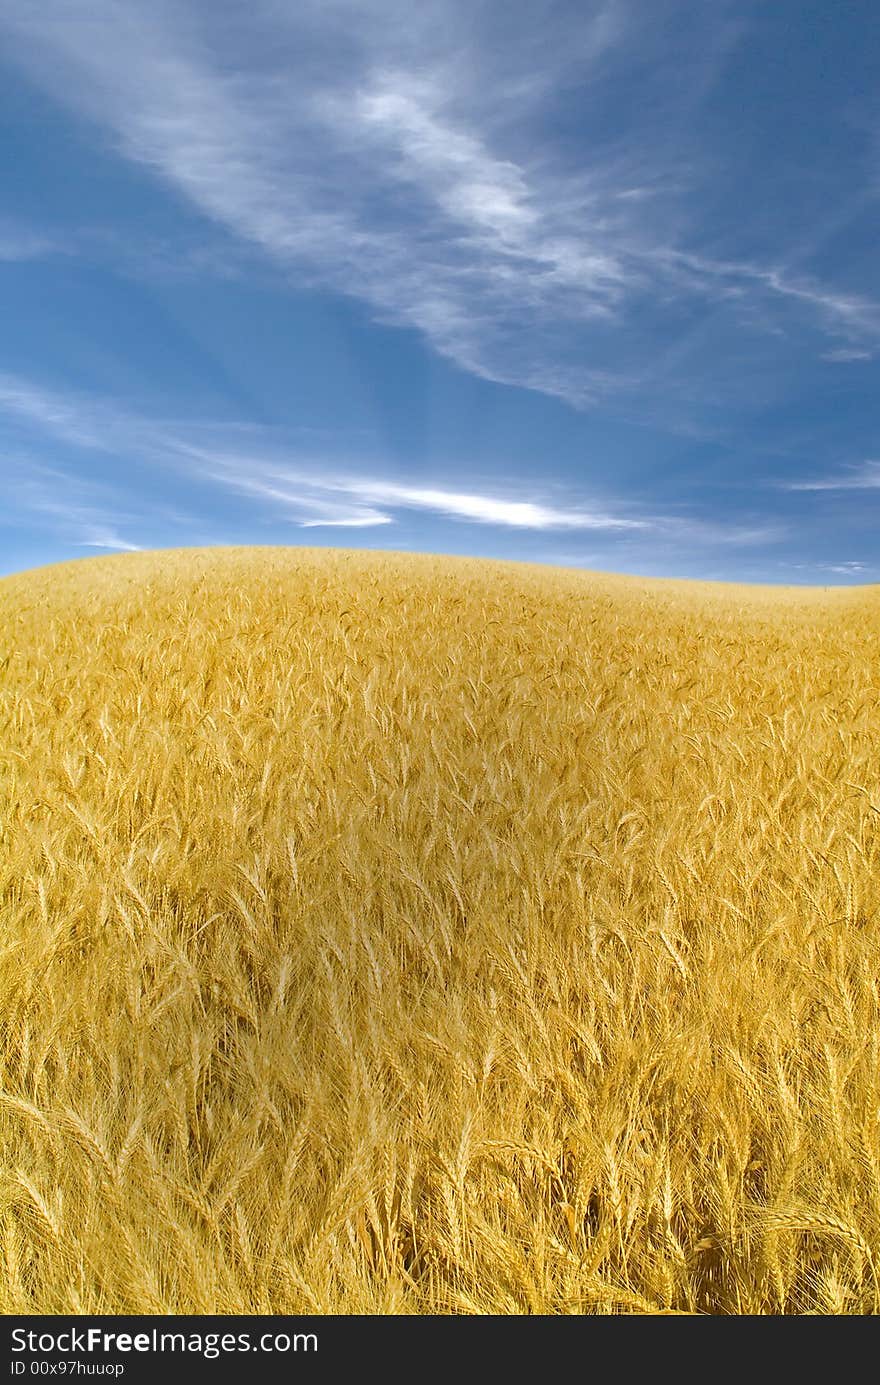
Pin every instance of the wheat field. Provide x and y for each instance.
(407, 935)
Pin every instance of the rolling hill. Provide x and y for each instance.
(396, 934)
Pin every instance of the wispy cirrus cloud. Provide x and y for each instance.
(285, 480)
(72, 417)
(316, 494)
(864, 477)
(854, 569)
(487, 509)
(848, 313)
(846, 354)
(102, 537)
(849, 569)
(316, 499)
(309, 492)
(474, 252)
(405, 168)
(19, 243)
(74, 509)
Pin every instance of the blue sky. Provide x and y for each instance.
(594, 284)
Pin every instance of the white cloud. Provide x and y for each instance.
(299, 489)
(315, 497)
(312, 493)
(76, 510)
(362, 520)
(19, 243)
(108, 538)
(300, 499)
(51, 411)
(848, 568)
(848, 313)
(392, 154)
(487, 509)
(454, 169)
(845, 354)
(860, 478)
(78, 419)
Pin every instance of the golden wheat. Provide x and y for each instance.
(386, 934)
